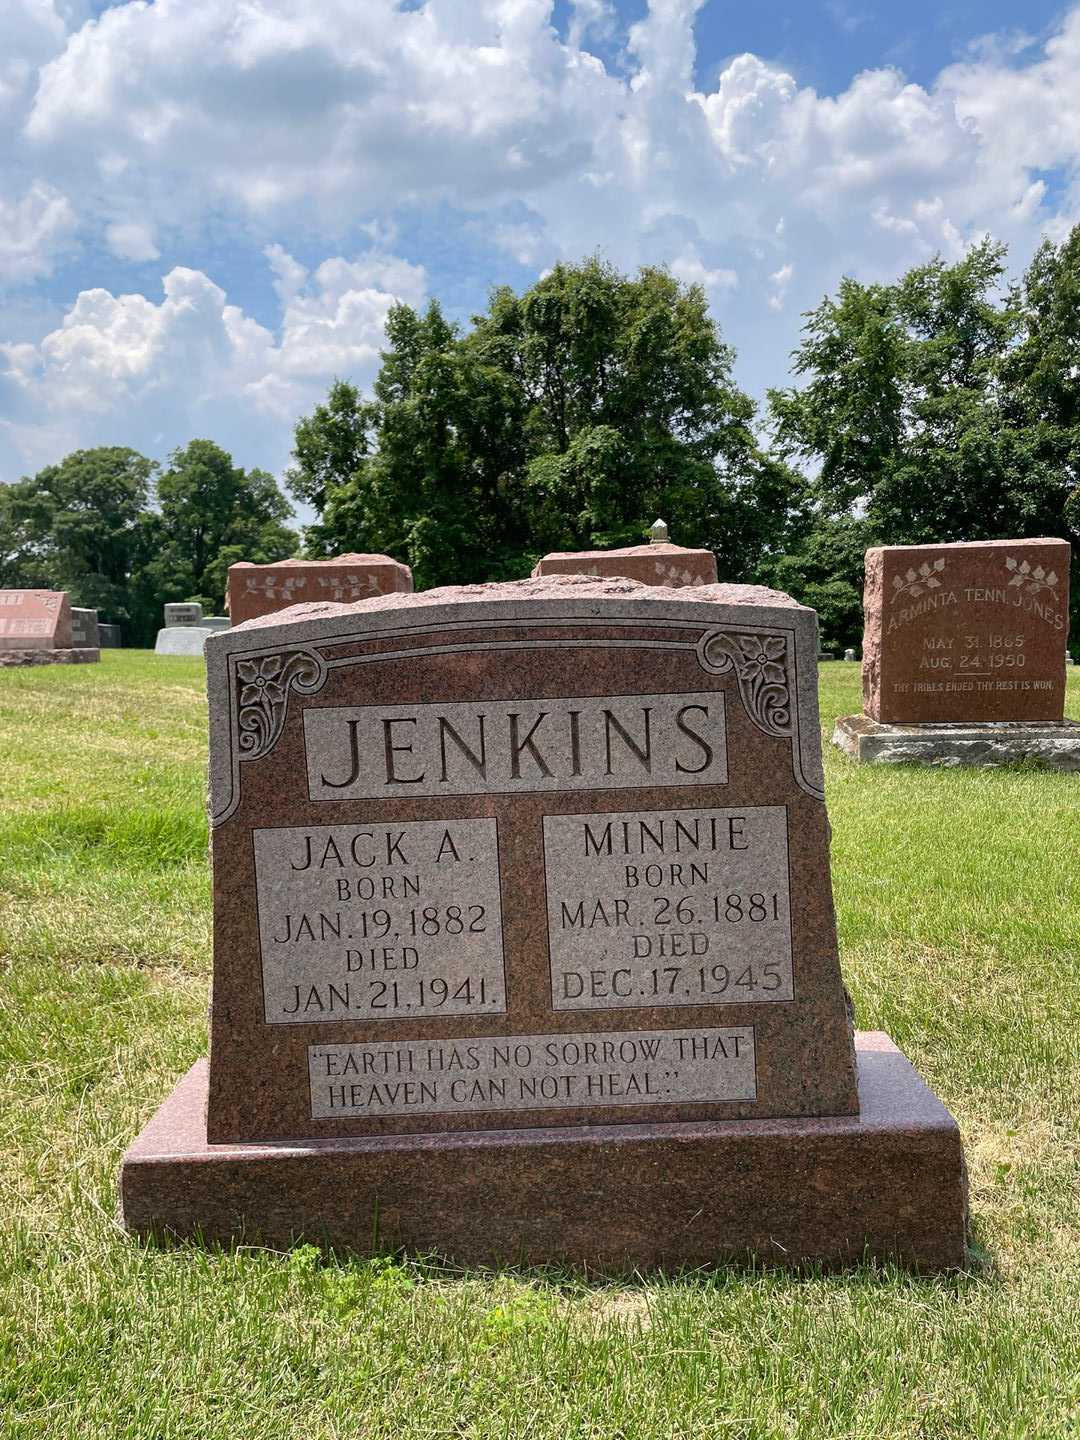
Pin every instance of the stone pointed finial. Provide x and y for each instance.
(658, 533)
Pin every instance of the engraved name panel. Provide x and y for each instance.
(381, 921)
(532, 1072)
(668, 907)
(588, 743)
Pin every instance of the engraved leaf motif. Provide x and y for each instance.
(1010, 563)
(916, 582)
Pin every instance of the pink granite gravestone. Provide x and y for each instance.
(521, 893)
(657, 563)
(966, 632)
(256, 590)
(36, 629)
(964, 656)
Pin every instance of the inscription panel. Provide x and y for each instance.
(531, 1072)
(668, 907)
(380, 922)
(588, 743)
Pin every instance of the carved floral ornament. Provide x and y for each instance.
(761, 666)
(263, 698)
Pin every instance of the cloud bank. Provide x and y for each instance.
(155, 130)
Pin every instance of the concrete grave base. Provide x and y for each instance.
(83, 656)
(889, 1182)
(1054, 743)
(182, 640)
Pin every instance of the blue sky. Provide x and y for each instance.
(206, 207)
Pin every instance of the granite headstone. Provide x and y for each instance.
(183, 612)
(85, 628)
(964, 656)
(256, 590)
(36, 629)
(658, 563)
(521, 893)
(966, 632)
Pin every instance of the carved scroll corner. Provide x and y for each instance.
(762, 665)
(261, 688)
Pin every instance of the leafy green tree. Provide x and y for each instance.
(210, 514)
(440, 490)
(1041, 382)
(824, 569)
(569, 417)
(942, 407)
(900, 415)
(27, 558)
(328, 445)
(76, 525)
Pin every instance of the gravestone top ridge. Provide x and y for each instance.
(183, 612)
(35, 620)
(185, 640)
(657, 563)
(966, 632)
(543, 853)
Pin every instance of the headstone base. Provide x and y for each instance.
(888, 1183)
(181, 640)
(83, 656)
(1053, 743)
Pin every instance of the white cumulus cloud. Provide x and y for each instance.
(125, 369)
(149, 127)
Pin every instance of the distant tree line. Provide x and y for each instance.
(124, 535)
(943, 407)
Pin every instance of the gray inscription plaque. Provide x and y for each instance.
(532, 1072)
(597, 742)
(380, 922)
(668, 907)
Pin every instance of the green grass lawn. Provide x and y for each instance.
(959, 908)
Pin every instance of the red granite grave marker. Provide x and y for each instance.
(540, 869)
(256, 590)
(967, 632)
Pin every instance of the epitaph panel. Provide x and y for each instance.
(966, 632)
(550, 853)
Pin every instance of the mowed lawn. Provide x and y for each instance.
(959, 908)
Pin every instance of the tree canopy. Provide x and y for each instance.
(123, 538)
(568, 417)
(944, 406)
